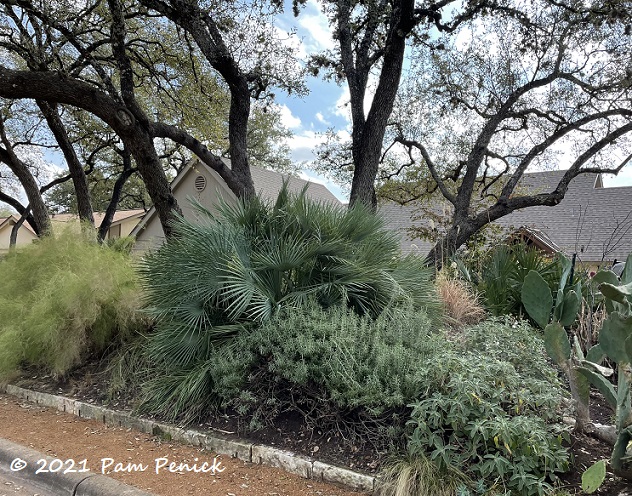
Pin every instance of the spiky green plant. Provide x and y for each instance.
(236, 267)
(504, 272)
(615, 342)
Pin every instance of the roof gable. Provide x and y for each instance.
(6, 222)
(591, 220)
(267, 184)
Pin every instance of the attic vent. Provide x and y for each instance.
(200, 183)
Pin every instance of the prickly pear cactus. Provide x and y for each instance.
(615, 341)
(537, 300)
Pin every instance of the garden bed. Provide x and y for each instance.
(90, 384)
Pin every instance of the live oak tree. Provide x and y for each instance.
(95, 58)
(113, 180)
(21, 165)
(371, 40)
(537, 85)
(498, 88)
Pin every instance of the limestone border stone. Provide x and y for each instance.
(223, 445)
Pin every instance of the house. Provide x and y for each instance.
(200, 182)
(26, 234)
(122, 223)
(592, 221)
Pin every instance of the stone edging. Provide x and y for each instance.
(306, 467)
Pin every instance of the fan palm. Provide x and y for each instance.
(235, 268)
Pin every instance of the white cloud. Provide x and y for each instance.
(288, 119)
(289, 39)
(311, 176)
(343, 105)
(302, 144)
(320, 118)
(316, 25)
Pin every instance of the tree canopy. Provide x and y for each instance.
(460, 98)
(496, 89)
(146, 68)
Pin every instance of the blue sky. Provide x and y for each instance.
(324, 107)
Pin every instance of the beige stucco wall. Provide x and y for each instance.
(123, 228)
(152, 236)
(25, 237)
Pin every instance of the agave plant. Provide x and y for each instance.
(236, 267)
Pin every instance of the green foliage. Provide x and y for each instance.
(594, 477)
(61, 299)
(419, 476)
(504, 271)
(538, 301)
(537, 298)
(492, 416)
(331, 363)
(484, 401)
(346, 361)
(615, 341)
(63, 199)
(122, 245)
(239, 267)
(556, 343)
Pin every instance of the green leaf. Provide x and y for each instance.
(582, 386)
(595, 354)
(556, 343)
(594, 476)
(537, 298)
(577, 349)
(602, 384)
(613, 335)
(605, 276)
(604, 371)
(615, 292)
(570, 308)
(567, 265)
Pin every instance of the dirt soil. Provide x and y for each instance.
(586, 450)
(90, 384)
(66, 436)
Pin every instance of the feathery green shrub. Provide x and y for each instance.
(482, 403)
(61, 299)
(332, 364)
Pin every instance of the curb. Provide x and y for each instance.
(258, 454)
(59, 483)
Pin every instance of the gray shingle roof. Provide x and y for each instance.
(593, 221)
(268, 184)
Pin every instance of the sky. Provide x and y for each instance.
(326, 104)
